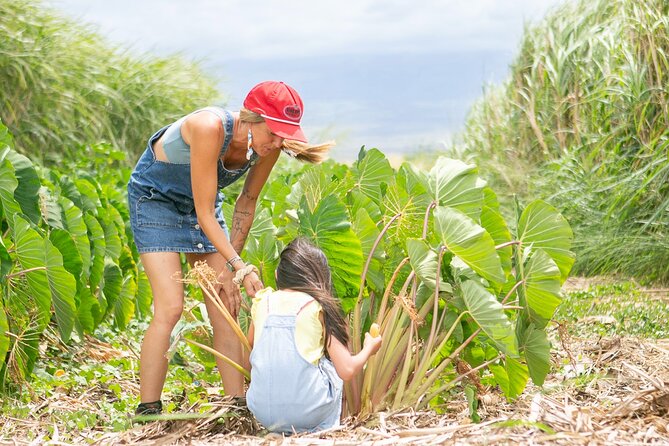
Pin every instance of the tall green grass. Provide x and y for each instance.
(62, 86)
(583, 121)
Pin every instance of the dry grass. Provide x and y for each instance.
(616, 393)
(608, 391)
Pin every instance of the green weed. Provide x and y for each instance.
(620, 309)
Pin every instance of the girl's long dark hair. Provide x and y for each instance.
(304, 267)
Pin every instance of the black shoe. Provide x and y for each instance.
(239, 401)
(154, 408)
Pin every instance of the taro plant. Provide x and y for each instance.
(467, 296)
(428, 256)
(65, 254)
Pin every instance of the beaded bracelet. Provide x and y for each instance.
(242, 273)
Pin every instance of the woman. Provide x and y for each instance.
(175, 206)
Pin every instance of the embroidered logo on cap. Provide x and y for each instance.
(292, 111)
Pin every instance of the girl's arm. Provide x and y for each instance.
(348, 365)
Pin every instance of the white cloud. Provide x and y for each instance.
(267, 29)
(393, 74)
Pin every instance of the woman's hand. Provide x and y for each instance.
(230, 293)
(372, 344)
(252, 284)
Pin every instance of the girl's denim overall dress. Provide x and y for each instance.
(160, 199)
(287, 393)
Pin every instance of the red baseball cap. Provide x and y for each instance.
(281, 107)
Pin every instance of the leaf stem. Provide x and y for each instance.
(25, 271)
(218, 354)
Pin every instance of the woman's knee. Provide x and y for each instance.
(168, 315)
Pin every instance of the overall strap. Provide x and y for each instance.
(227, 120)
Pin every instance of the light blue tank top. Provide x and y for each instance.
(176, 149)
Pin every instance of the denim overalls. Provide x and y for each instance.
(160, 199)
(287, 393)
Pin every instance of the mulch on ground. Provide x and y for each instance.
(604, 391)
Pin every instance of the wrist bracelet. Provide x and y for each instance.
(242, 273)
(231, 262)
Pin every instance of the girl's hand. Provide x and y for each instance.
(230, 293)
(252, 284)
(372, 344)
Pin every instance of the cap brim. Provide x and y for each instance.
(286, 131)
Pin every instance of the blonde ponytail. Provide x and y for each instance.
(314, 154)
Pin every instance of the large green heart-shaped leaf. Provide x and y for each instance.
(69, 190)
(26, 193)
(541, 226)
(113, 245)
(412, 180)
(542, 287)
(262, 252)
(62, 240)
(274, 195)
(314, 185)
(90, 199)
(512, 377)
(455, 184)
(51, 210)
(6, 262)
(470, 242)
(96, 236)
(124, 307)
(74, 223)
(113, 283)
(88, 311)
(4, 338)
(367, 232)
(144, 295)
(494, 224)
(371, 172)
(424, 262)
(356, 200)
(261, 246)
(489, 314)
(329, 228)
(48, 280)
(8, 184)
(537, 349)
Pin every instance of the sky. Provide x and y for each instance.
(399, 75)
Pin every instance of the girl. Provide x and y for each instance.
(294, 386)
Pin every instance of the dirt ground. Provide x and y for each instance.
(603, 391)
(612, 392)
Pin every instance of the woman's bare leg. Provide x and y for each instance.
(225, 339)
(168, 300)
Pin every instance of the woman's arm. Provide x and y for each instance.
(245, 206)
(245, 209)
(205, 135)
(347, 365)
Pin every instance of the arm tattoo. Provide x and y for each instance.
(248, 196)
(241, 225)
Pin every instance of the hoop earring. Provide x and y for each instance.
(249, 148)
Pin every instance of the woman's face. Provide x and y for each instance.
(264, 141)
